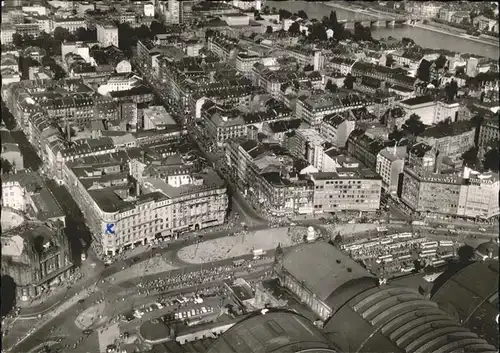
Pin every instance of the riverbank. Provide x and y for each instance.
(459, 35)
(451, 31)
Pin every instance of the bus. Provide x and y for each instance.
(353, 247)
(386, 241)
(405, 235)
(422, 255)
(428, 251)
(370, 244)
(381, 229)
(404, 257)
(445, 243)
(446, 256)
(385, 258)
(438, 262)
(407, 269)
(430, 245)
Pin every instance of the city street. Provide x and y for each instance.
(119, 299)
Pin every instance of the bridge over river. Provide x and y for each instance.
(369, 20)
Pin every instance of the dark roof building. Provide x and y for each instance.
(471, 297)
(275, 331)
(367, 317)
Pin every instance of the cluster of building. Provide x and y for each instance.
(290, 140)
(35, 18)
(354, 312)
(36, 252)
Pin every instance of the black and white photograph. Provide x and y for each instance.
(250, 176)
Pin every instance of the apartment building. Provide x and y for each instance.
(488, 132)
(470, 195)
(451, 140)
(336, 129)
(270, 177)
(7, 33)
(222, 123)
(364, 148)
(430, 111)
(27, 29)
(341, 65)
(27, 192)
(396, 77)
(70, 23)
(347, 189)
(107, 34)
(245, 62)
(308, 144)
(224, 47)
(390, 165)
(484, 23)
(120, 220)
(314, 108)
(271, 79)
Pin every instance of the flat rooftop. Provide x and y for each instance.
(322, 267)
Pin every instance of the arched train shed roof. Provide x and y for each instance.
(398, 319)
(471, 296)
(277, 332)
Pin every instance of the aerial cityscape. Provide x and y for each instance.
(250, 176)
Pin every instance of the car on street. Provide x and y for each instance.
(135, 259)
(87, 332)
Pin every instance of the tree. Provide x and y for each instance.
(451, 90)
(318, 31)
(6, 166)
(396, 134)
(470, 157)
(423, 71)
(414, 125)
(85, 35)
(269, 29)
(61, 34)
(491, 158)
(330, 86)
(302, 14)
(308, 68)
(460, 70)
(349, 81)
(338, 239)
(333, 20)
(17, 39)
(389, 60)
(440, 62)
(157, 28)
(362, 33)
(294, 28)
(284, 14)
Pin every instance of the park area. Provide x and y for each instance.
(239, 245)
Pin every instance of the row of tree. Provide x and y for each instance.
(51, 43)
(318, 29)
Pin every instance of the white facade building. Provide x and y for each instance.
(107, 34)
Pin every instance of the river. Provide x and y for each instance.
(423, 37)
